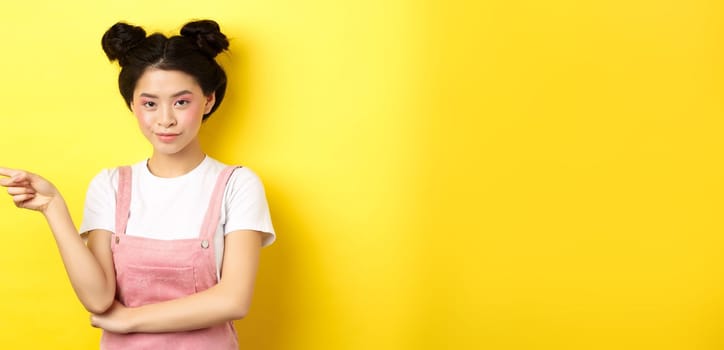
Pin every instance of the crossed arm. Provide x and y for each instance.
(92, 275)
(227, 300)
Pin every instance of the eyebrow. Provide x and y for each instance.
(182, 92)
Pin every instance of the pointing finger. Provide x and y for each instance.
(16, 175)
(9, 181)
(8, 172)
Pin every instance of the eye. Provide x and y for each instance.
(149, 104)
(182, 103)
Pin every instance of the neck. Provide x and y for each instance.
(177, 164)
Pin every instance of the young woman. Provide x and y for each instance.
(168, 249)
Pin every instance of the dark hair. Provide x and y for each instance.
(192, 52)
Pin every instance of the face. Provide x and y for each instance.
(169, 106)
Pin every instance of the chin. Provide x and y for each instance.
(167, 149)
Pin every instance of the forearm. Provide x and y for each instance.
(200, 310)
(94, 289)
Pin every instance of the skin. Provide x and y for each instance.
(169, 106)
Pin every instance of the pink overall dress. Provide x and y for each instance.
(151, 271)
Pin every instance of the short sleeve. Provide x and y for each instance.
(99, 210)
(246, 205)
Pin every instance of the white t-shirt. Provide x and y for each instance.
(174, 208)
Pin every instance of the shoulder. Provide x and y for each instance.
(246, 181)
(101, 194)
(245, 175)
(243, 183)
(241, 175)
(107, 178)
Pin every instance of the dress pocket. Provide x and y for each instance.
(141, 285)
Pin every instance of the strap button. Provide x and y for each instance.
(204, 244)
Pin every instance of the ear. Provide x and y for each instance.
(210, 102)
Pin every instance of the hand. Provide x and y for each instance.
(29, 191)
(116, 319)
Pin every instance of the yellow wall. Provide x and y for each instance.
(441, 174)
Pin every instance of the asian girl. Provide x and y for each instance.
(167, 253)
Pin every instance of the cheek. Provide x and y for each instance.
(190, 116)
(145, 119)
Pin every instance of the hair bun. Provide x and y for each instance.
(207, 36)
(121, 38)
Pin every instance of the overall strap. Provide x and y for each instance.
(213, 213)
(123, 199)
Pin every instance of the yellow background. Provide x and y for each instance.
(441, 174)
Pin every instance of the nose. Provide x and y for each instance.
(167, 118)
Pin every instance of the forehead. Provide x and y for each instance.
(165, 82)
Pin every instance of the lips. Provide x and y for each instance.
(167, 137)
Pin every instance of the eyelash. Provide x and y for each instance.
(151, 104)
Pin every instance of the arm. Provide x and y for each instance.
(89, 268)
(228, 300)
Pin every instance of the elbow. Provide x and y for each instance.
(238, 310)
(98, 306)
